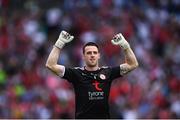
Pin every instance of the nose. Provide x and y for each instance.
(92, 56)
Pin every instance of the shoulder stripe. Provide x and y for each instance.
(82, 68)
(105, 67)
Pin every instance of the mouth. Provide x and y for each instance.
(92, 60)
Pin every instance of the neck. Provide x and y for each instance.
(91, 68)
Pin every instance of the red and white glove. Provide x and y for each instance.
(64, 38)
(119, 39)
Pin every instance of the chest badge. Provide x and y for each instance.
(102, 76)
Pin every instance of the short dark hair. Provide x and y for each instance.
(90, 44)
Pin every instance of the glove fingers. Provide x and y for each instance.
(116, 39)
(114, 43)
(70, 39)
(119, 39)
(66, 37)
(65, 34)
(121, 36)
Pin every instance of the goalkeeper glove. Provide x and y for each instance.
(118, 39)
(64, 38)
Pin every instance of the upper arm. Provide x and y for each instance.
(126, 68)
(57, 69)
(114, 72)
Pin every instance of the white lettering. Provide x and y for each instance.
(96, 95)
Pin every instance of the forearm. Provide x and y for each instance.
(53, 56)
(52, 60)
(130, 58)
(130, 62)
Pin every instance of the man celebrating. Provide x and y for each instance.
(91, 83)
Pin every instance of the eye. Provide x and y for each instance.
(88, 53)
(95, 52)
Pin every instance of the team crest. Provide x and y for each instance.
(102, 76)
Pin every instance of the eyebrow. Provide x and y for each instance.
(92, 52)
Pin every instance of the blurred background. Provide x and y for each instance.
(29, 28)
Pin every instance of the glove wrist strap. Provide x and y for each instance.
(60, 44)
(125, 46)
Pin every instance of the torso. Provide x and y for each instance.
(91, 90)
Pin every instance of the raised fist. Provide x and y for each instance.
(119, 39)
(64, 38)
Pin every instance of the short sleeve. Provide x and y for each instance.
(69, 74)
(115, 72)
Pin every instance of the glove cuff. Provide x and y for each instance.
(60, 44)
(124, 46)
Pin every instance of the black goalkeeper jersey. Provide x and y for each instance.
(92, 90)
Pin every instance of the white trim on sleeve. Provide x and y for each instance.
(61, 74)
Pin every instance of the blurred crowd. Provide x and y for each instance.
(29, 28)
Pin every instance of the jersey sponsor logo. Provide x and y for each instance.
(97, 85)
(96, 95)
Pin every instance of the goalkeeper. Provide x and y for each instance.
(91, 83)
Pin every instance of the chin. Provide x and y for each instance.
(92, 65)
